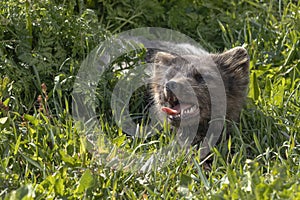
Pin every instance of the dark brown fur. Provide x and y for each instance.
(182, 73)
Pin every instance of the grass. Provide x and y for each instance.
(45, 152)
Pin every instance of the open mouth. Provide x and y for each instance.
(179, 110)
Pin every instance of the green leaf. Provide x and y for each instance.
(119, 140)
(279, 93)
(257, 143)
(17, 144)
(24, 193)
(254, 87)
(3, 120)
(85, 182)
(202, 176)
(31, 119)
(6, 102)
(59, 185)
(185, 180)
(33, 162)
(85, 145)
(5, 82)
(268, 88)
(66, 158)
(102, 145)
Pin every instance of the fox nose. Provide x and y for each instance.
(171, 85)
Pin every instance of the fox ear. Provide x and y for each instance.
(164, 58)
(234, 61)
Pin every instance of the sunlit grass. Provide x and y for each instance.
(45, 152)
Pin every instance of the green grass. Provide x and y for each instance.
(45, 152)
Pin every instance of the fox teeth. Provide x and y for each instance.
(184, 112)
(165, 92)
(174, 116)
(189, 110)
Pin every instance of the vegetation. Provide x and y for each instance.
(44, 152)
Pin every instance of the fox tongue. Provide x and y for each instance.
(171, 111)
(176, 109)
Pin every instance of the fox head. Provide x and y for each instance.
(181, 85)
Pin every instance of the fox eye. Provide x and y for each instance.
(171, 73)
(199, 78)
